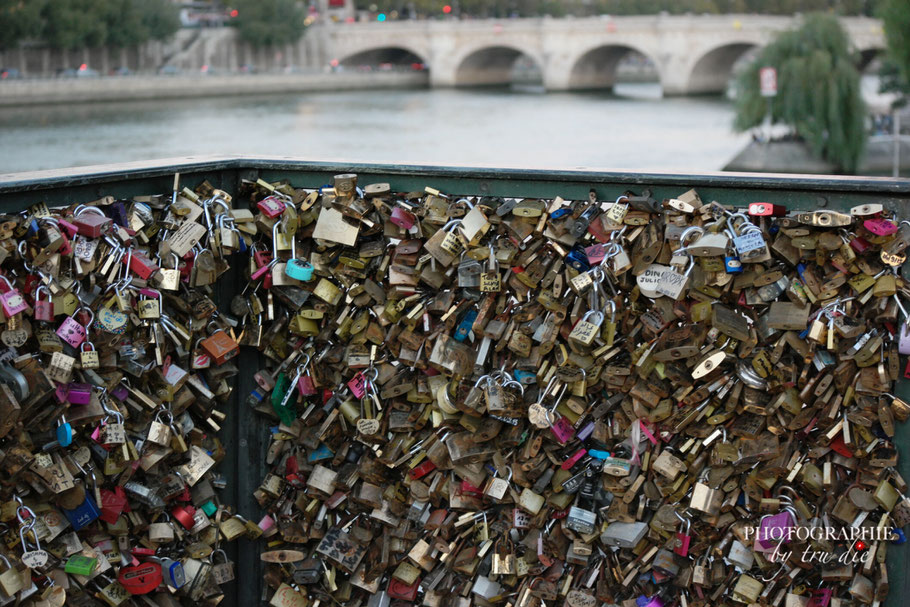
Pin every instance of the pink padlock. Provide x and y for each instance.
(11, 300)
(402, 218)
(563, 430)
(266, 523)
(879, 226)
(271, 207)
(71, 332)
(820, 597)
(357, 384)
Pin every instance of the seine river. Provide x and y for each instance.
(632, 129)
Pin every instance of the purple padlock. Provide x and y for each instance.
(654, 601)
(71, 332)
(903, 343)
(79, 394)
(774, 529)
(563, 430)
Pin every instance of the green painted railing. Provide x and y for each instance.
(245, 435)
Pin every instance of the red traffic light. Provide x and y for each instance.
(447, 9)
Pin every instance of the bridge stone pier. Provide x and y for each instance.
(693, 54)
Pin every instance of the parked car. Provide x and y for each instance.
(83, 71)
(168, 70)
(120, 71)
(9, 73)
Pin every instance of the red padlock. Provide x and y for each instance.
(113, 504)
(184, 515)
(421, 470)
(44, 309)
(271, 206)
(140, 264)
(92, 224)
(860, 245)
(140, 579)
(403, 218)
(766, 209)
(403, 592)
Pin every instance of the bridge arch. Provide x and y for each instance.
(711, 72)
(595, 68)
(396, 55)
(491, 65)
(866, 57)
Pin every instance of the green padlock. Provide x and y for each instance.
(80, 565)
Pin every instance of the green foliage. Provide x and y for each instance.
(72, 24)
(19, 19)
(269, 22)
(891, 80)
(818, 91)
(896, 16)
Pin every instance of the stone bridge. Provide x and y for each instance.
(693, 54)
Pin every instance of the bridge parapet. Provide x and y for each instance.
(693, 53)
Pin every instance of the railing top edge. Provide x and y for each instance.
(101, 174)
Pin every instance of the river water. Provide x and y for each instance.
(633, 129)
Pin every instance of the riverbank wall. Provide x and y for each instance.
(130, 88)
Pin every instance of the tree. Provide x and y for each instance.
(20, 19)
(269, 22)
(818, 91)
(73, 24)
(896, 70)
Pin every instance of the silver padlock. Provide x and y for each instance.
(380, 599)
(486, 588)
(581, 518)
(624, 535)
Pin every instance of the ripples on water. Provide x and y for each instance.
(634, 129)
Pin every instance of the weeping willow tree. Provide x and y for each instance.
(818, 91)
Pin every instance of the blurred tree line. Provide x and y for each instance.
(72, 24)
(581, 8)
(895, 73)
(269, 22)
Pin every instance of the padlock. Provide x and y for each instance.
(220, 347)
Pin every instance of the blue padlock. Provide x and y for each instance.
(558, 213)
(465, 326)
(173, 573)
(64, 432)
(578, 260)
(84, 514)
(899, 536)
(733, 265)
(322, 452)
(299, 269)
(524, 377)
